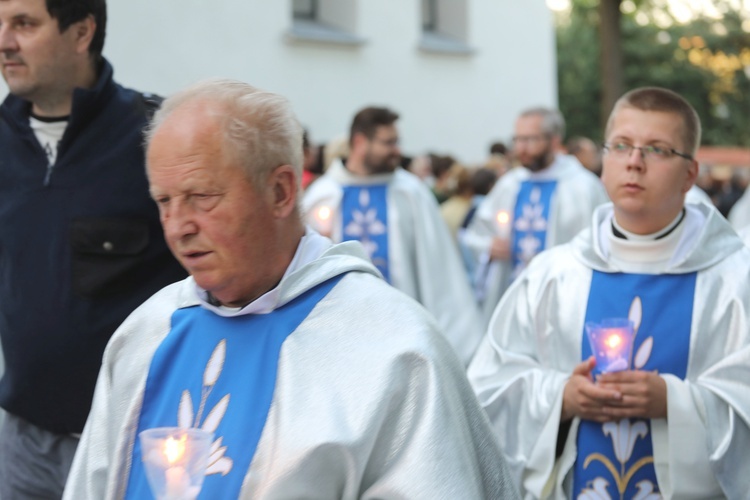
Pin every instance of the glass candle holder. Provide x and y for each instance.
(611, 343)
(175, 460)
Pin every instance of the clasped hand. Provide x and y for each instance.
(500, 249)
(613, 396)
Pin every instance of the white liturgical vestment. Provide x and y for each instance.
(423, 259)
(536, 337)
(577, 192)
(365, 399)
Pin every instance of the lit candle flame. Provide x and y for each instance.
(503, 217)
(324, 213)
(613, 341)
(174, 449)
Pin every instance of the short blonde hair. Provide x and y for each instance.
(665, 101)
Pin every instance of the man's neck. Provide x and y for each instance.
(60, 101)
(650, 226)
(356, 167)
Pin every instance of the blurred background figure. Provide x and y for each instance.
(336, 149)
(421, 166)
(445, 182)
(312, 166)
(587, 152)
(394, 215)
(482, 181)
(498, 149)
(455, 208)
(530, 209)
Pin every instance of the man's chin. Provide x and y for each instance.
(536, 165)
(385, 168)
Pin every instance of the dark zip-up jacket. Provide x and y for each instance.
(80, 247)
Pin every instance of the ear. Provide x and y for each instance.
(83, 31)
(556, 143)
(359, 140)
(283, 187)
(692, 175)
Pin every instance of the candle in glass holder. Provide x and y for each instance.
(175, 461)
(503, 224)
(611, 343)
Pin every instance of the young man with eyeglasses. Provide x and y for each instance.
(395, 216)
(530, 209)
(672, 422)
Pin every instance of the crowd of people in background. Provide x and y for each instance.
(565, 320)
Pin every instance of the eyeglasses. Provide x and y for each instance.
(518, 139)
(656, 153)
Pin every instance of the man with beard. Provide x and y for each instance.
(395, 216)
(530, 209)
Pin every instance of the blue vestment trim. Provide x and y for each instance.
(364, 215)
(530, 221)
(218, 373)
(618, 456)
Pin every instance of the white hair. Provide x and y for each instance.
(259, 126)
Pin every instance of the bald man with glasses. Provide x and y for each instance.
(672, 418)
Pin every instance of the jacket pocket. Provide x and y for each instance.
(105, 253)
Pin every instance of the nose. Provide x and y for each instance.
(8, 42)
(177, 220)
(636, 159)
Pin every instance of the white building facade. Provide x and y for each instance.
(457, 71)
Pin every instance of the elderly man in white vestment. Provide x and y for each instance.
(530, 209)
(395, 216)
(315, 378)
(672, 418)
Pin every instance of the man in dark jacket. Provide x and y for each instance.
(80, 241)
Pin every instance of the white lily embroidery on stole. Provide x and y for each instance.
(624, 435)
(217, 462)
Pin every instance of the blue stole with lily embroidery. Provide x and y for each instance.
(218, 373)
(618, 456)
(364, 215)
(530, 221)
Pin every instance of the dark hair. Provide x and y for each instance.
(498, 148)
(68, 12)
(441, 165)
(483, 180)
(305, 139)
(369, 119)
(575, 144)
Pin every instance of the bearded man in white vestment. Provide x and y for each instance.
(674, 421)
(371, 199)
(315, 378)
(530, 209)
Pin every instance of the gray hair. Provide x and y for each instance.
(553, 122)
(260, 127)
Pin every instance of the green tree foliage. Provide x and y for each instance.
(707, 61)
